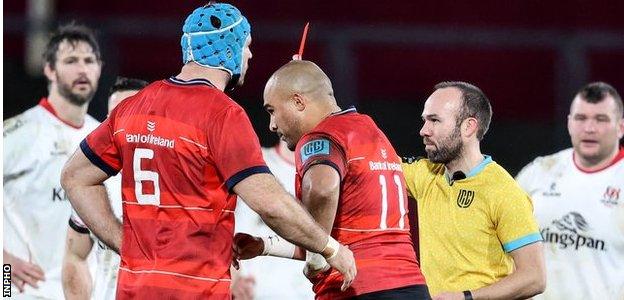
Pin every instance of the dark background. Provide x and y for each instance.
(528, 56)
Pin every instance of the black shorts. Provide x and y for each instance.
(412, 292)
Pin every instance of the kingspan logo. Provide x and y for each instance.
(571, 231)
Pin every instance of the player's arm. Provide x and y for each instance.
(413, 173)
(527, 280)
(23, 272)
(528, 176)
(320, 193)
(282, 213)
(84, 184)
(517, 229)
(519, 234)
(17, 136)
(76, 278)
(242, 286)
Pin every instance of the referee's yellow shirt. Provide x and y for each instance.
(468, 227)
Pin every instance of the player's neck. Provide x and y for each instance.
(328, 109)
(218, 78)
(591, 165)
(67, 111)
(470, 157)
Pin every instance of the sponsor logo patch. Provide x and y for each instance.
(314, 147)
(611, 197)
(553, 191)
(572, 231)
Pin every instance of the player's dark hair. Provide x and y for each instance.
(596, 92)
(73, 34)
(475, 105)
(127, 84)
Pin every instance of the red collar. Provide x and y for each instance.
(617, 158)
(45, 104)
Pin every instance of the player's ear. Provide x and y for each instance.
(48, 71)
(470, 126)
(299, 101)
(570, 124)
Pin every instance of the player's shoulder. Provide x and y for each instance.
(495, 174)
(24, 123)
(315, 142)
(12, 125)
(336, 129)
(497, 182)
(200, 89)
(340, 120)
(420, 165)
(548, 163)
(221, 104)
(324, 131)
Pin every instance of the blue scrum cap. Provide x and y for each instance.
(214, 37)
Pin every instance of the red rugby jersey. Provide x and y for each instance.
(372, 211)
(181, 146)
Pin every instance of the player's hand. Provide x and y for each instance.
(344, 262)
(246, 246)
(243, 287)
(309, 272)
(23, 272)
(449, 296)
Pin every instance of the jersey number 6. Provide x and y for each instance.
(144, 175)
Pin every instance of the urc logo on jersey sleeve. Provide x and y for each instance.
(314, 147)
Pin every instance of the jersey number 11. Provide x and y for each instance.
(383, 223)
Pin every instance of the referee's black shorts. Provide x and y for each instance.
(412, 292)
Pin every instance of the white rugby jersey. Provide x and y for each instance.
(107, 261)
(36, 146)
(276, 278)
(581, 218)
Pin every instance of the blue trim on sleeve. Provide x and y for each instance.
(96, 160)
(476, 170)
(523, 241)
(323, 162)
(238, 177)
